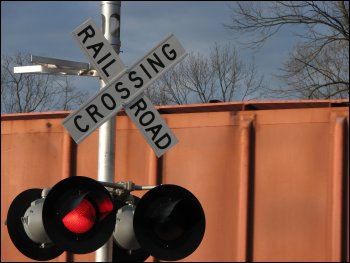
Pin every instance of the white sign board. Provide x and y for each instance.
(124, 88)
(151, 124)
(97, 49)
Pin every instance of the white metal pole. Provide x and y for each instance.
(110, 12)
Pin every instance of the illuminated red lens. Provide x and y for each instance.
(81, 219)
(105, 207)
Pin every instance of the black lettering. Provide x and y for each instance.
(143, 116)
(155, 130)
(131, 78)
(78, 126)
(145, 70)
(168, 142)
(102, 59)
(106, 95)
(96, 47)
(121, 90)
(171, 52)
(106, 66)
(87, 35)
(153, 62)
(94, 112)
(139, 107)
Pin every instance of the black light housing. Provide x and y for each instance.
(16, 221)
(88, 198)
(169, 222)
(79, 215)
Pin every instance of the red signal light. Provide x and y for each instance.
(105, 207)
(78, 214)
(81, 219)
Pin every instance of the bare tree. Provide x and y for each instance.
(68, 97)
(221, 76)
(253, 84)
(20, 93)
(189, 82)
(317, 68)
(170, 88)
(172, 84)
(325, 77)
(199, 77)
(34, 92)
(234, 79)
(157, 93)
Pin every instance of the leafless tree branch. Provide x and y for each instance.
(319, 67)
(34, 92)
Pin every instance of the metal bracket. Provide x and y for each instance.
(46, 65)
(127, 186)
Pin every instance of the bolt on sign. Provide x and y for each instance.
(124, 88)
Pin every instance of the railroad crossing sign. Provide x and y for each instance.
(124, 88)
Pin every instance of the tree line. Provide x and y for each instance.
(35, 92)
(317, 68)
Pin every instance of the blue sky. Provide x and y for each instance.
(43, 29)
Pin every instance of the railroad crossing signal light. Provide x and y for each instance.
(76, 216)
(24, 212)
(168, 222)
(79, 215)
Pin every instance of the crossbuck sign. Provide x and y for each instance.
(124, 88)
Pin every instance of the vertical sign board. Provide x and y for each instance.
(97, 49)
(125, 88)
(145, 116)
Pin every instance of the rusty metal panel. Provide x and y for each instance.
(292, 187)
(31, 157)
(271, 180)
(215, 185)
(290, 197)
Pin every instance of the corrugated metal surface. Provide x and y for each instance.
(272, 176)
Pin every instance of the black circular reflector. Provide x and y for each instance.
(79, 214)
(169, 222)
(17, 233)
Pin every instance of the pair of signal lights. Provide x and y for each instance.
(79, 215)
